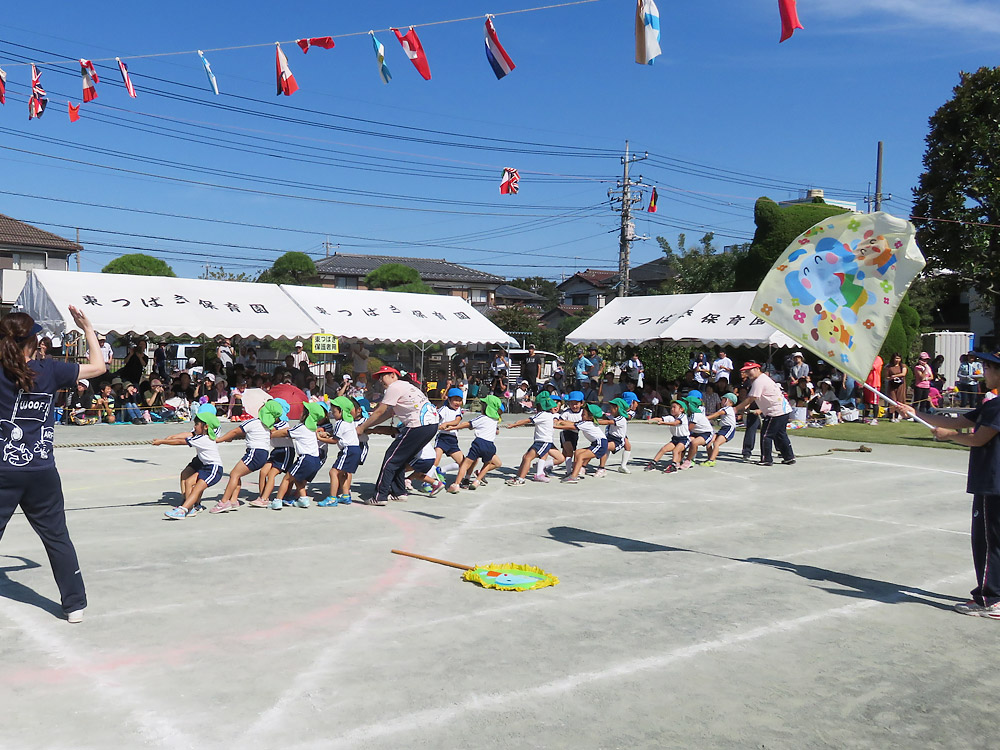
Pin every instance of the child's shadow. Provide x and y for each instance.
(170, 498)
(18, 592)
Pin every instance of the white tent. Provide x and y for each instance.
(717, 319)
(396, 317)
(157, 305)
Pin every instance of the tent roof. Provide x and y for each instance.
(157, 305)
(721, 318)
(396, 317)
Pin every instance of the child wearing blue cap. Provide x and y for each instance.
(446, 442)
(542, 446)
(572, 412)
(727, 427)
(483, 446)
(204, 470)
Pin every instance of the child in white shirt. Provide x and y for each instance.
(204, 470)
(680, 436)
(727, 427)
(589, 427)
(483, 445)
(544, 423)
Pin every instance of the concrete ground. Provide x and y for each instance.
(735, 607)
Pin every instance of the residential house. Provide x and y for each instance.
(24, 248)
(590, 288)
(506, 295)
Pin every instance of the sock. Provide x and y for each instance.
(626, 457)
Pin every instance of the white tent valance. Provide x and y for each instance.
(716, 319)
(396, 317)
(162, 306)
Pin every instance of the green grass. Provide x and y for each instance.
(885, 432)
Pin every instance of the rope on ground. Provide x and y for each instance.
(104, 445)
(859, 449)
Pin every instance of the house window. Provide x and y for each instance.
(581, 300)
(346, 282)
(480, 296)
(28, 261)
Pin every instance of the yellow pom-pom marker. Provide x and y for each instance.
(502, 576)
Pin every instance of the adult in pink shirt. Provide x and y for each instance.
(774, 411)
(419, 425)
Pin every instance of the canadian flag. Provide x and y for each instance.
(89, 76)
(415, 51)
(286, 81)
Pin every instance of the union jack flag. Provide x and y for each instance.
(3, 86)
(126, 78)
(508, 181)
(38, 100)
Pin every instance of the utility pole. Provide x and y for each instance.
(878, 179)
(624, 195)
(78, 252)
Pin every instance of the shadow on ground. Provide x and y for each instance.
(18, 592)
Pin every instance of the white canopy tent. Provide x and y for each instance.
(396, 317)
(162, 306)
(716, 319)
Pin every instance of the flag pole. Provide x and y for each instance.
(879, 393)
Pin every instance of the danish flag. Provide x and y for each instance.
(415, 51)
(326, 42)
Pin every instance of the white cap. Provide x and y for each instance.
(86, 383)
(298, 343)
(347, 377)
(210, 376)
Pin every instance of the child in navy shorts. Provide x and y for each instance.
(680, 436)
(446, 442)
(204, 470)
(343, 432)
(589, 427)
(273, 416)
(258, 451)
(306, 464)
(727, 427)
(483, 445)
(541, 447)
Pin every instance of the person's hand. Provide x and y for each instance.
(156, 441)
(943, 433)
(906, 410)
(81, 320)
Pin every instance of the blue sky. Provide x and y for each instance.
(413, 167)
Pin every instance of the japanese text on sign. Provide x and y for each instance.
(325, 343)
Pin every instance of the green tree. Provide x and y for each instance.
(960, 185)
(539, 285)
(514, 320)
(701, 267)
(139, 264)
(291, 268)
(219, 273)
(390, 275)
(414, 287)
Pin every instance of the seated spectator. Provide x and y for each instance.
(236, 400)
(474, 388)
(79, 405)
(178, 404)
(311, 389)
(128, 405)
(331, 388)
(105, 404)
(523, 397)
(218, 395)
(153, 399)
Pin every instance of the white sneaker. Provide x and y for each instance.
(302, 502)
(624, 469)
(873, 422)
(75, 616)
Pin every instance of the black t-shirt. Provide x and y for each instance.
(26, 419)
(984, 461)
(532, 366)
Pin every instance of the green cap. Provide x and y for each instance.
(492, 406)
(315, 411)
(210, 420)
(544, 401)
(346, 408)
(595, 411)
(622, 407)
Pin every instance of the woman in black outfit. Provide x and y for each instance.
(28, 475)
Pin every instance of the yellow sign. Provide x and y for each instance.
(325, 343)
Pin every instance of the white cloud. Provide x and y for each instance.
(972, 16)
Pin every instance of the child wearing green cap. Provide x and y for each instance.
(617, 436)
(572, 412)
(483, 445)
(273, 416)
(542, 447)
(343, 432)
(258, 452)
(680, 435)
(589, 427)
(727, 427)
(702, 432)
(204, 470)
(307, 463)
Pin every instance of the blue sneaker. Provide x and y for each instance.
(275, 504)
(330, 501)
(288, 503)
(178, 513)
(344, 499)
(302, 502)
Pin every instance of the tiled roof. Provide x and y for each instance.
(655, 270)
(506, 291)
(14, 232)
(599, 279)
(346, 264)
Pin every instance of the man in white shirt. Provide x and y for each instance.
(106, 351)
(299, 355)
(722, 368)
(774, 411)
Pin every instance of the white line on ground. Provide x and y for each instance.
(898, 466)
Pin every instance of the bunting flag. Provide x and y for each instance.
(508, 181)
(286, 81)
(652, 202)
(126, 78)
(74, 111)
(208, 71)
(415, 51)
(647, 32)
(383, 69)
(499, 59)
(3, 86)
(789, 19)
(38, 100)
(89, 76)
(326, 42)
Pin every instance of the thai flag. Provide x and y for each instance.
(126, 78)
(647, 32)
(38, 100)
(286, 81)
(383, 69)
(3, 86)
(89, 76)
(208, 71)
(415, 51)
(499, 59)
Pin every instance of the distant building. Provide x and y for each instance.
(557, 315)
(590, 288)
(347, 271)
(506, 295)
(808, 196)
(649, 277)
(24, 248)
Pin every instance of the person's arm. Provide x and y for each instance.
(518, 423)
(972, 439)
(95, 357)
(283, 432)
(562, 424)
(744, 404)
(381, 413)
(939, 420)
(231, 435)
(180, 438)
(716, 415)
(324, 437)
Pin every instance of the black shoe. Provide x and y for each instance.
(788, 461)
(138, 421)
(765, 463)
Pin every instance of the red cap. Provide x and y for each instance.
(385, 370)
(750, 366)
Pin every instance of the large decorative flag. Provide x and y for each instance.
(652, 202)
(499, 59)
(415, 51)
(208, 71)
(89, 76)
(38, 100)
(3, 86)
(286, 81)
(326, 42)
(836, 288)
(126, 78)
(647, 32)
(383, 69)
(789, 19)
(74, 111)
(509, 181)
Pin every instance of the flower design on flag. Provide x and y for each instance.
(885, 300)
(868, 324)
(800, 317)
(804, 241)
(886, 286)
(829, 352)
(814, 230)
(844, 358)
(766, 309)
(782, 267)
(854, 225)
(897, 244)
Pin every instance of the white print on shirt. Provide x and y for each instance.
(28, 407)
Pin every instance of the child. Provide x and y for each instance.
(258, 439)
(572, 413)
(204, 470)
(423, 471)
(680, 436)
(588, 427)
(483, 445)
(446, 443)
(701, 429)
(344, 432)
(306, 464)
(727, 427)
(616, 434)
(273, 416)
(542, 446)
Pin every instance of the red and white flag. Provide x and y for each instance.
(74, 111)
(508, 181)
(89, 76)
(38, 100)
(126, 78)
(286, 81)
(326, 42)
(3, 86)
(415, 51)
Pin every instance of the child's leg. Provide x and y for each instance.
(678, 455)
(662, 452)
(286, 483)
(345, 482)
(193, 496)
(463, 469)
(557, 457)
(582, 457)
(233, 488)
(438, 455)
(526, 463)
(692, 450)
(717, 444)
(611, 447)
(493, 463)
(267, 476)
